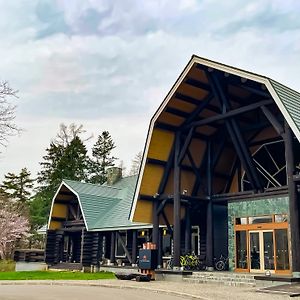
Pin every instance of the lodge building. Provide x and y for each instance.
(223, 153)
(220, 174)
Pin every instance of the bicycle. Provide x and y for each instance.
(222, 263)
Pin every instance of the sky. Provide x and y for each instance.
(108, 64)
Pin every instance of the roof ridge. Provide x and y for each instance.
(94, 184)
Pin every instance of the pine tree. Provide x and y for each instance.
(69, 162)
(102, 158)
(18, 187)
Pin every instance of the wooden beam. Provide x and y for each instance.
(163, 163)
(231, 113)
(209, 212)
(196, 102)
(235, 133)
(112, 246)
(200, 107)
(134, 247)
(167, 222)
(155, 221)
(188, 231)
(273, 120)
(185, 145)
(173, 128)
(167, 170)
(124, 247)
(177, 206)
(294, 213)
(252, 90)
(58, 219)
(66, 193)
(198, 84)
(177, 112)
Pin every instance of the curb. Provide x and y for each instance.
(99, 284)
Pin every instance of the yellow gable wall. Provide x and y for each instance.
(161, 144)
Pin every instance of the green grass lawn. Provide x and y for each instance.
(52, 275)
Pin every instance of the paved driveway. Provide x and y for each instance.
(27, 292)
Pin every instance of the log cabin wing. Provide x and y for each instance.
(89, 223)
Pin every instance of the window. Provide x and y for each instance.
(241, 221)
(260, 219)
(122, 236)
(269, 161)
(241, 250)
(281, 218)
(195, 240)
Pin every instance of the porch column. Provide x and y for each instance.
(155, 221)
(209, 212)
(82, 245)
(176, 213)
(188, 231)
(112, 246)
(100, 246)
(159, 251)
(293, 201)
(134, 247)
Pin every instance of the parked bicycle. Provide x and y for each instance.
(188, 262)
(221, 264)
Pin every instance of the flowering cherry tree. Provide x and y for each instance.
(12, 227)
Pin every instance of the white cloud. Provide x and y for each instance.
(113, 72)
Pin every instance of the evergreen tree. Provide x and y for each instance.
(69, 162)
(102, 158)
(18, 187)
(66, 158)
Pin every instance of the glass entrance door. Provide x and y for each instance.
(261, 250)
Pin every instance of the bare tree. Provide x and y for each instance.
(136, 163)
(7, 113)
(68, 133)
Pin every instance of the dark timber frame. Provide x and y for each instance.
(244, 118)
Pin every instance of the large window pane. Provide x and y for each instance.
(255, 250)
(268, 251)
(260, 219)
(282, 253)
(241, 250)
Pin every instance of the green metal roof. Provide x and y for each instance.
(106, 207)
(290, 99)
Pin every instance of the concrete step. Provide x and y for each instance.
(220, 282)
(226, 278)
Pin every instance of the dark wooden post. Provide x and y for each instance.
(159, 252)
(188, 237)
(112, 246)
(209, 212)
(100, 246)
(155, 222)
(293, 201)
(81, 246)
(176, 217)
(134, 247)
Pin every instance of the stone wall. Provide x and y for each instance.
(258, 207)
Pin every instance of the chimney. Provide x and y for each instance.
(114, 174)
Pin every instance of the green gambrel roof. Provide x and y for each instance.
(106, 207)
(290, 100)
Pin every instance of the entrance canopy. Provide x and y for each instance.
(212, 110)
